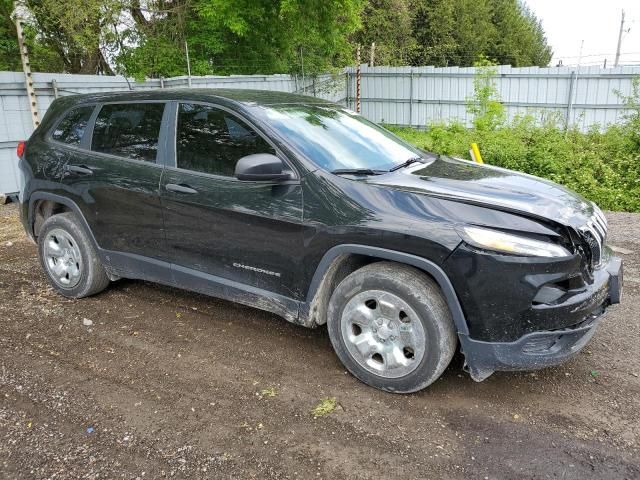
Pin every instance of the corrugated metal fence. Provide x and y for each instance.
(413, 96)
(418, 96)
(15, 115)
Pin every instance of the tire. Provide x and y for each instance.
(68, 257)
(391, 327)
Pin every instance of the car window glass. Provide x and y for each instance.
(71, 129)
(211, 140)
(128, 130)
(336, 138)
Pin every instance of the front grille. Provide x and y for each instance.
(594, 236)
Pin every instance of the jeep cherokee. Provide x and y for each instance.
(303, 208)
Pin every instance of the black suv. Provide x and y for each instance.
(303, 208)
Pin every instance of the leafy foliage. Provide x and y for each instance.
(42, 58)
(241, 36)
(519, 40)
(632, 102)
(488, 112)
(460, 32)
(70, 35)
(9, 52)
(147, 38)
(325, 407)
(388, 23)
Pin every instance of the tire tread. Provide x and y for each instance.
(95, 277)
(426, 294)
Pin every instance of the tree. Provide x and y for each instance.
(434, 30)
(147, 38)
(242, 36)
(459, 32)
(41, 56)
(9, 51)
(474, 32)
(74, 30)
(520, 39)
(151, 39)
(388, 23)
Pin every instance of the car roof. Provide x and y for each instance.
(224, 95)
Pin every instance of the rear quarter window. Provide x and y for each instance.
(71, 128)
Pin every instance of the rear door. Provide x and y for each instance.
(116, 174)
(246, 232)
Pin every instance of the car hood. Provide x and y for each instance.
(492, 187)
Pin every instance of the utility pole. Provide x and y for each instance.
(26, 68)
(304, 85)
(186, 49)
(580, 54)
(619, 40)
(358, 79)
(372, 55)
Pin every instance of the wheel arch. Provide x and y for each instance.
(55, 204)
(341, 260)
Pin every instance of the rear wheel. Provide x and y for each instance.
(390, 326)
(68, 257)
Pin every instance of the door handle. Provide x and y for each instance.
(180, 188)
(81, 169)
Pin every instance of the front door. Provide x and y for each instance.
(240, 231)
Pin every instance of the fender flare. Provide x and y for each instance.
(420, 263)
(67, 202)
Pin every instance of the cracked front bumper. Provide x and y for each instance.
(548, 347)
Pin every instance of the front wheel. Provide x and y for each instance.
(390, 326)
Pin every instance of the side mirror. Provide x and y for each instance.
(261, 167)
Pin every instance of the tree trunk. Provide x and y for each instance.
(94, 63)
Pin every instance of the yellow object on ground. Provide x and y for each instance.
(476, 153)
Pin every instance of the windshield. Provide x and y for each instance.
(335, 138)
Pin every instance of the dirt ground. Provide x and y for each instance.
(167, 383)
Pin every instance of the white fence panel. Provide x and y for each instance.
(417, 96)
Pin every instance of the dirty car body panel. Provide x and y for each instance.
(276, 245)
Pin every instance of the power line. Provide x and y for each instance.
(597, 55)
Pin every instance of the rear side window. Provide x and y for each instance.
(128, 130)
(211, 140)
(71, 128)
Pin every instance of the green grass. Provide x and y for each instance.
(325, 407)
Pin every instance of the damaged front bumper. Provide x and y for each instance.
(548, 347)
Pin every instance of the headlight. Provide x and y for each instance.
(507, 243)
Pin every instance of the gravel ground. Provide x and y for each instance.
(145, 381)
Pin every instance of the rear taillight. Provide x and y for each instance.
(20, 148)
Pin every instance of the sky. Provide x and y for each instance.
(597, 22)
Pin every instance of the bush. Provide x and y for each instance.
(603, 166)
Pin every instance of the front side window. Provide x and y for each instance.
(129, 130)
(335, 138)
(211, 140)
(71, 129)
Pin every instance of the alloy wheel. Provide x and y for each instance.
(383, 333)
(62, 258)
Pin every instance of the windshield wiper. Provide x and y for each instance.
(357, 171)
(406, 163)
